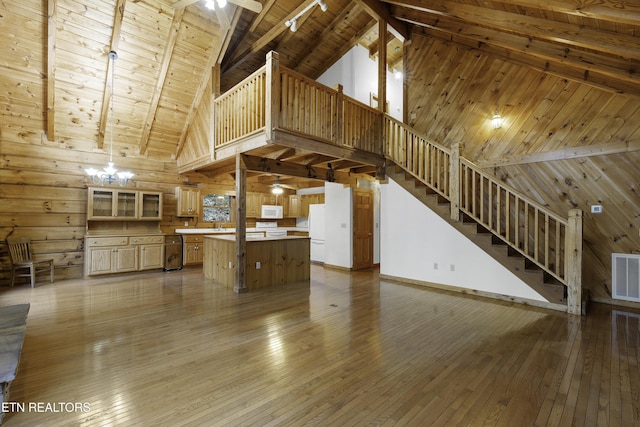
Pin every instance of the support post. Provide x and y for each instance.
(382, 65)
(272, 94)
(215, 93)
(573, 262)
(241, 226)
(454, 181)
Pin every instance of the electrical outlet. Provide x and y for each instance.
(258, 265)
(230, 264)
(186, 223)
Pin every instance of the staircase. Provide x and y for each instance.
(528, 272)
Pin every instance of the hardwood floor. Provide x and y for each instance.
(166, 349)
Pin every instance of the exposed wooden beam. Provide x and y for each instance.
(263, 41)
(380, 11)
(258, 19)
(616, 12)
(564, 154)
(115, 42)
(350, 10)
(570, 35)
(52, 19)
(164, 66)
(605, 72)
(276, 167)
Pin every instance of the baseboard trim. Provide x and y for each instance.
(475, 292)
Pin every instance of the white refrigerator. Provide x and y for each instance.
(317, 232)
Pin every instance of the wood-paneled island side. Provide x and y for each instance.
(271, 261)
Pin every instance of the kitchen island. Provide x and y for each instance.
(271, 261)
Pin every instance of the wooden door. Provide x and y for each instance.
(362, 229)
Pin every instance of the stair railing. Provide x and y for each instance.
(552, 243)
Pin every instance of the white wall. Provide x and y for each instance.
(417, 244)
(339, 225)
(358, 75)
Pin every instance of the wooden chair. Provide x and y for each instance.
(20, 254)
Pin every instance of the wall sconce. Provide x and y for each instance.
(496, 121)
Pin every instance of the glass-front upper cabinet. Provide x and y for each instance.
(150, 205)
(127, 206)
(105, 203)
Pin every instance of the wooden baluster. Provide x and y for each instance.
(454, 181)
(339, 122)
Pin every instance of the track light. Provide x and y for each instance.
(292, 23)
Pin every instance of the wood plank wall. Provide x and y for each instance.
(549, 147)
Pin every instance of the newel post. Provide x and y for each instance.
(272, 94)
(454, 181)
(573, 262)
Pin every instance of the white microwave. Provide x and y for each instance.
(271, 212)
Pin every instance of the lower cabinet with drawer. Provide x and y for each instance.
(193, 249)
(122, 254)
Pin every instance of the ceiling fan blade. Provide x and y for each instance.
(252, 5)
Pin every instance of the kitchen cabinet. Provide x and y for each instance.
(310, 199)
(193, 249)
(107, 203)
(150, 251)
(106, 255)
(150, 207)
(293, 207)
(188, 201)
(254, 205)
(122, 254)
(123, 205)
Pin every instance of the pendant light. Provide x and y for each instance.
(109, 174)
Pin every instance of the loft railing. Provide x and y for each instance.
(277, 99)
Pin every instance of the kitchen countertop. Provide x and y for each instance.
(232, 238)
(215, 231)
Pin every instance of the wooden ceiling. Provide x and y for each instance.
(166, 50)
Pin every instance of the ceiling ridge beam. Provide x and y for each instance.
(176, 22)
